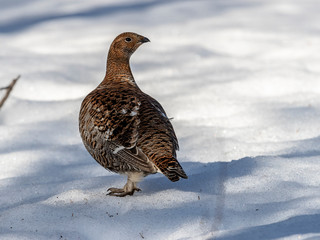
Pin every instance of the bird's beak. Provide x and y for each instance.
(144, 40)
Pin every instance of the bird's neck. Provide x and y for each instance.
(118, 71)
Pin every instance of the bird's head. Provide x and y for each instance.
(124, 45)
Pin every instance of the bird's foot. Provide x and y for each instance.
(120, 192)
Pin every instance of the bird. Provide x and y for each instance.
(124, 129)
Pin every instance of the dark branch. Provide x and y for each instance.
(9, 89)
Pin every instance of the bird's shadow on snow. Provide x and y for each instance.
(202, 177)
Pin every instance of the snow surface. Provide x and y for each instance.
(240, 78)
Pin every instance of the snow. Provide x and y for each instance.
(241, 80)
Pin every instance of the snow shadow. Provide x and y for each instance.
(30, 198)
(22, 23)
(302, 224)
(75, 170)
(305, 148)
(61, 168)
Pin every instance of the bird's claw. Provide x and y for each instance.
(119, 192)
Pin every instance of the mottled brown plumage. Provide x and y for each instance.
(124, 129)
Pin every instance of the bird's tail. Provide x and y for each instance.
(171, 168)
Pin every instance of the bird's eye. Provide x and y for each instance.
(128, 39)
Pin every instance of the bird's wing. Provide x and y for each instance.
(132, 159)
(158, 139)
(167, 124)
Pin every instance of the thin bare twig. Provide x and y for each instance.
(9, 89)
